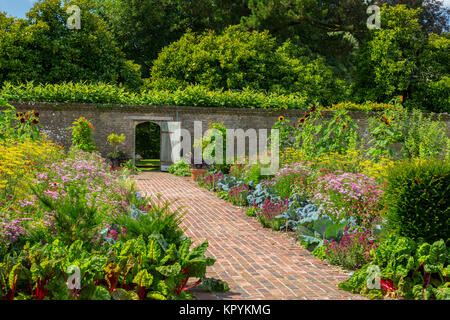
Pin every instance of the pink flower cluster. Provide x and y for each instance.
(236, 191)
(296, 168)
(343, 194)
(352, 251)
(12, 230)
(210, 180)
(272, 209)
(238, 195)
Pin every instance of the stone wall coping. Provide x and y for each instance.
(64, 106)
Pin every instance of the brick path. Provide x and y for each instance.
(257, 263)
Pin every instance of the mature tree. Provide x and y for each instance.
(331, 28)
(143, 28)
(434, 17)
(43, 49)
(401, 60)
(236, 59)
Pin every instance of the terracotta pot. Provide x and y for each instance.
(115, 163)
(111, 168)
(197, 173)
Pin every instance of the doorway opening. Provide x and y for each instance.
(148, 146)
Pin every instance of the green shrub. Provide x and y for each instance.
(437, 93)
(366, 106)
(101, 93)
(180, 168)
(417, 199)
(274, 224)
(251, 211)
(283, 186)
(236, 59)
(42, 48)
(318, 252)
(160, 219)
(238, 171)
(424, 136)
(82, 134)
(253, 174)
(398, 133)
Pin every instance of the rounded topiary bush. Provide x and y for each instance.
(417, 199)
(236, 59)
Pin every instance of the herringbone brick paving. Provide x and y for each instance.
(257, 263)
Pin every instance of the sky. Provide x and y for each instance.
(18, 8)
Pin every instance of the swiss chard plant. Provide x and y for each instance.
(403, 267)
(131, 270)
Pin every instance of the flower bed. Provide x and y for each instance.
(70, 228)
(357, 207)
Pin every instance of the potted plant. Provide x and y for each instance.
(198, 170)
(117, 158)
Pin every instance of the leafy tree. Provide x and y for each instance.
(401, 60)
(434, 17)
(143, 28)
(236, 59)
(41, 48)
(329, 28)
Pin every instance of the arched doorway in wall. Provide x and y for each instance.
(148, 146)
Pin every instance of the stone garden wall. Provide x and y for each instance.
(57, 118)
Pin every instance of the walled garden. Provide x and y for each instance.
(377, 206)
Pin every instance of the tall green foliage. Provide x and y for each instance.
(143, 28)
(236, 59)
(82, 134)
(399, 133)
(401, 60)
(416, 198)
(315, 135)
(43, 49)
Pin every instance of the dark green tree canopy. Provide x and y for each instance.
(401, 60)
(321, 50)
(236, 59)
(143, 28)
(42, 49)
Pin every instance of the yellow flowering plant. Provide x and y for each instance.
(18, 125)
(291, 155)
(353, 160)
(82, 130)
(20, 160)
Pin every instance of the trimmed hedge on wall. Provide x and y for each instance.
(190, 96)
